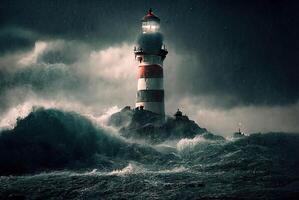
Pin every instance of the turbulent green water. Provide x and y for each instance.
(260, 166)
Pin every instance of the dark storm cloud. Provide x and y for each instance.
(46, 81)
(66, 72)
(66, 52)
(246, 51)
(16, 39)
(81, 20)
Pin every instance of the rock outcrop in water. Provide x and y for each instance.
(143, 124)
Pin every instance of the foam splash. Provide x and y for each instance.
(103, 119)
(173, 170)
(8, 120)
(187, 143)
(134, 169)
(130, 169)
(93, 171)
(19, 112)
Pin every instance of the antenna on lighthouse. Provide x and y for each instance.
(150, 11)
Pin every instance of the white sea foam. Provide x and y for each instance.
(173, 170)
(8, 120)
(187, 143)
(103, 119)
(130, 169)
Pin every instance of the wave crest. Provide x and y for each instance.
(54, 139)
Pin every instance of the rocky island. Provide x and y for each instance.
(155, 128)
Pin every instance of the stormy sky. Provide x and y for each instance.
(231, 64)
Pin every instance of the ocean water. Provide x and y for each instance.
(57, 155)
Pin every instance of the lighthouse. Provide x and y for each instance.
(150, 54)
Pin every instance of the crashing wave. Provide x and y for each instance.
(50, 139)
(131, 168)
(54, 139)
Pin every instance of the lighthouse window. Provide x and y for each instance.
(150, 27)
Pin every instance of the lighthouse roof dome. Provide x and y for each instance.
(150, 17)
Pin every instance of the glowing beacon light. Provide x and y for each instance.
(150, 53)
(150, 23)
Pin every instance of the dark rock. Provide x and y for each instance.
(143, 124)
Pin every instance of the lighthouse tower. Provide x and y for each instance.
(150, 53)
